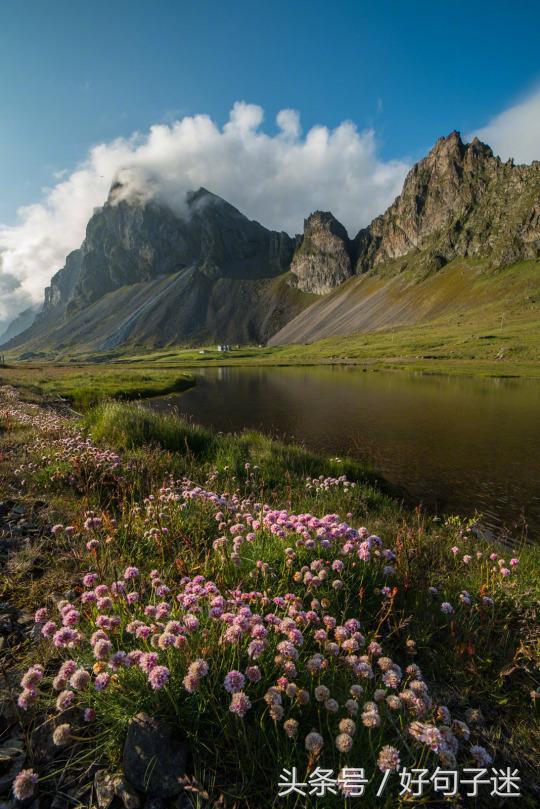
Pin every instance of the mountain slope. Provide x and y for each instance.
(457, 292)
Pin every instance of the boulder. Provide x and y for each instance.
(155, 756)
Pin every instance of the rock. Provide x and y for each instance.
(105, 788)
(127, 794)
(460, 200)
(322, 261)
(155, 756)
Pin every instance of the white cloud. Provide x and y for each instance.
(277, 179)
(515, 132)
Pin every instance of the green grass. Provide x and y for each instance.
(128, 426)
(85, 386)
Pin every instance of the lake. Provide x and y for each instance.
(453, 444)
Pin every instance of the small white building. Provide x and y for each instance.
(223, 347)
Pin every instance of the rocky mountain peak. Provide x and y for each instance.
(322, 260)
(460, 200)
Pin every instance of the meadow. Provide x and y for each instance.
(277, 606)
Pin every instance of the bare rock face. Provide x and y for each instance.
(460, 200)
(322, 261)
(129, 241)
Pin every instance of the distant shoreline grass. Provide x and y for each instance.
(86, 386)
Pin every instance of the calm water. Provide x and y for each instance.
(454, 444)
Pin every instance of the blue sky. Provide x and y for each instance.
(73, 73)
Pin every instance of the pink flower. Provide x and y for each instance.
(131, 572)
(41, 615)
(253, 673)
(234, 681)
(48, 629)
(24, 785)
(158, 677)
(89, 714)
(65, 700)
(455, 550)
(102, 681)
(240, 704)
(514, 562)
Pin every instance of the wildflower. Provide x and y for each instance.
(444, 715)
(290, 726)
(62, 735)
(79, 679)
(331, 705)
(356, 691)
(89, 715)
(158, 677)
(347, 726)
(276, 712)
(32, 677)
(487, 601)
(234, 681)
(322, 693)
(240, 704)
(148, 661)
(65, 700)
(344, 742)
(48, 629)
(24, 785)
(447, 608)
(314, 742)
(253, 673)
(131, 572)
(41, 615)
(388, 758)
(102, 681)
(102, 649)
(90, 579)
(514, 562)
(481, 755)
(199, 668)
(26, 698)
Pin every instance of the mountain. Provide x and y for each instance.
(19, 324)
(460, 206)
(323, 259)
(147, 276)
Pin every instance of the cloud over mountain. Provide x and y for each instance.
(277, 179)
